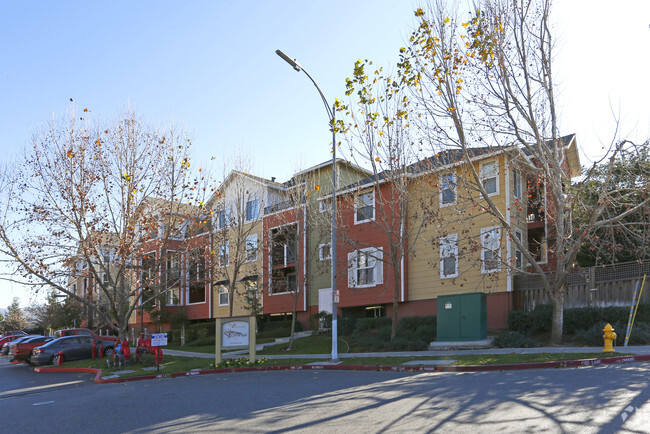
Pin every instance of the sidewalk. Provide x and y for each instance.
(636, 349)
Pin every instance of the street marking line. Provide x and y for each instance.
(35, 388)
(43, 403)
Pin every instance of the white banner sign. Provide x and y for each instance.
(158, 339)
(235, 334)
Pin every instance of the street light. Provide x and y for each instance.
(331, 113)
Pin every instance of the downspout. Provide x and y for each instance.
(506, 162)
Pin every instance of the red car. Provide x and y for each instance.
(11, 335)
(21, 351)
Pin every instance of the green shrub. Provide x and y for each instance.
(426, 333)
(275, 332)
(593, 336)
(200, 342)
(534, 321)
(406, 344)
(345, 326)
(364, 325)
(512, 339)
(383, 334)
(410, 325)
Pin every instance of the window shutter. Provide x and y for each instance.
(379, 266)
(352, 269)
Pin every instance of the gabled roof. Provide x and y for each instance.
(236, 173)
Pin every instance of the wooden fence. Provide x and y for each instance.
(609, 285)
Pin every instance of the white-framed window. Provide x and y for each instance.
(489, 174)
(224, 296)
(325, 205)
(519, 256)
(448, 189)
(490, 249)
(251, 248)
(516, 183)
(173, 268)
(252, 209)
(224, 254)
(223, 218)
(324, 251)
(364, 207)
(365, 267)
(173, 296)
(449, 256)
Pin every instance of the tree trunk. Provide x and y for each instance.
(557, 322)
(393, 329)
(293, 322)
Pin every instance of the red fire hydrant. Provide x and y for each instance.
(94, 342)
(59, 360)
(101, 350)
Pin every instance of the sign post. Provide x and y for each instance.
(235, 332)
(158, 340)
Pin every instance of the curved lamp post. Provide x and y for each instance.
(331, 113)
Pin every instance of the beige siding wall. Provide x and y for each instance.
(465, 219)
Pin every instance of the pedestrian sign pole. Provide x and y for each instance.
(633, 309)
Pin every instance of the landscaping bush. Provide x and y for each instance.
(345, 326)
(593, 336)
(364, 325)
(581, 318)
(383, 333)
(534, 321)
(422, 328)
(512, 339)
(405, 344)
(174, 337)
(200, 342)
(275, 332)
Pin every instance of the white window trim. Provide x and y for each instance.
(377, 254)
(451, 238)
(482, 178)
(255, 210)
(483, 249)
(516, 186)
(455, 189)
(227, 247)
(170, 291)
(223, 290)
(520, 236)
(325, 205)
(320, 252)
(356, 206)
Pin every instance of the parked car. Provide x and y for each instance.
(21, 351)
(7, 341)
(72, 347)
(14, 333)
(107, 341)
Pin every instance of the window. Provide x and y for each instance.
(252, 209)
(284, 245)
(173, 269)
(489, 177)
(449, 256)
(224, 255)
(223, 218)
(364, 207)
(173, 296)
(224, 297)
(516, 183)
(106, 256)
(196, 267)
(448, 189)
(148, 269)
(196, 293)
(251, 248)
(324, 251)
(365, 268)
(519, 257)
(490, 243)
(325, 205)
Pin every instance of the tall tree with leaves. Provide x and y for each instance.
(15, 317)
(85, 199)
(488, 81)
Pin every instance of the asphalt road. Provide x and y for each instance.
(611, 398)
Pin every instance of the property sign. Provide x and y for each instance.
(447, 305)
(158, 339)
(235, 333)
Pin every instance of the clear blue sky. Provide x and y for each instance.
(211, 66)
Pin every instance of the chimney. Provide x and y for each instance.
(273, 179)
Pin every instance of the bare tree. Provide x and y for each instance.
(379, 135)
(86, 198)
(488, 81)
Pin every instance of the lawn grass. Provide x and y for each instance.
(208, 349)
(183, 364)
(319, 344)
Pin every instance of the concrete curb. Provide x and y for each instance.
(384, 368)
